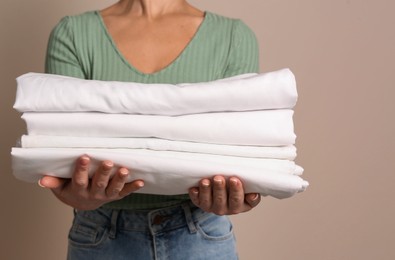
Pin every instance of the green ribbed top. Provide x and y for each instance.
(80, 46)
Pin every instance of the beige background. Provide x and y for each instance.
(342, 52)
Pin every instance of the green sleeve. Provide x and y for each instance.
(61, 57)
(244, 51)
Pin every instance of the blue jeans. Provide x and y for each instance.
(179, 232)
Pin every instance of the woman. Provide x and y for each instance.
(150, 41)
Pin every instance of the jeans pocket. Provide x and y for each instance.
(85, 232)
(215, 228)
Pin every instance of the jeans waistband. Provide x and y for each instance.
(153, 221)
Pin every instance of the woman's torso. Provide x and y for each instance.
(81, 46)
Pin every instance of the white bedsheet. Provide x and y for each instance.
(257, 128)
(166, 173)
(171, 136)
(54, 93)
(44, 141)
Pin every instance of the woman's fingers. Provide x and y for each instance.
(253, 199)
(101, 179)
(117, 183)
(223, 197)
(220, 196)
(51, 182)
(236, 196)
(205, 195)
(131, 187)
(84, 193)
(194, 196)
(80, 178)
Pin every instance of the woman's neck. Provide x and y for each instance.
(149, 9)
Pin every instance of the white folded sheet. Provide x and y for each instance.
(166, 173)
(257, 128)
(54, 93)
(45, 141)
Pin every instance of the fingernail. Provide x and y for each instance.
(39, 184)
(108, 163)
(195, 191)
(205, 183)
(84, 160)
(234, 181)
(140, 184)
(255, 197)
(218, 180)
(123, 171)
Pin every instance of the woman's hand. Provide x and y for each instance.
(223, 197)
(82, 193)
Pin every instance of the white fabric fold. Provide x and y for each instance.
(169, 135)
(166, 173)
(53, 93)
(43, 141)
(257, 128)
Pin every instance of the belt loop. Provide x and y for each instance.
(113, 227)
(188, 217)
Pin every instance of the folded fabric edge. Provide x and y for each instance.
(286, 76)
(287, 152)
(283, 185)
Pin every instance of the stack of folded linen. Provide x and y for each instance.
(170, 135)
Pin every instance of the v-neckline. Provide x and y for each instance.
(168, 66)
